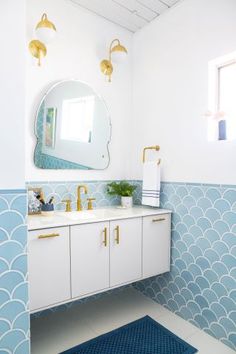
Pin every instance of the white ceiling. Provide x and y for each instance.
(130, 14)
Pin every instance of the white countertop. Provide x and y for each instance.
(60, 218)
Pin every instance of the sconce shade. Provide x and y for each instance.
(45, 30)
(119, 48)
(119, 53)
(37, 49)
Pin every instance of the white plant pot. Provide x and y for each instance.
(127, 202)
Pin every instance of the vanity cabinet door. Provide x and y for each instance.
(89, 258)
(49, 267)
(156, 244)
(125, 251)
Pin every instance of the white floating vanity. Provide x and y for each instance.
(77, 254)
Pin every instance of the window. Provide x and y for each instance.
(222, 99)
(77, 119)
(227, 101)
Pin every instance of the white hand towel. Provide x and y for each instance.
(151, 184)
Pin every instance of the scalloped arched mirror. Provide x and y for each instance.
(73, 128)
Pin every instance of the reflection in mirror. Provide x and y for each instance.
(77, 119)
(73, 128)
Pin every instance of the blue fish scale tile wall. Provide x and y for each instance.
(14, 313)
(68, 190)
(201, 286)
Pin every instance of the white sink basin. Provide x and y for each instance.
(77, 215)
(90, 214)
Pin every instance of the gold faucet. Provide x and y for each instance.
(79, 203)
(68, 204)
(90, 203)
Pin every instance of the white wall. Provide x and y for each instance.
(12, 93)
(171, 58)
(82, 41)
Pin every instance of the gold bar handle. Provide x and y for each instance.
(117, 230)
(157, 220)
(105, 237)
(48, 236)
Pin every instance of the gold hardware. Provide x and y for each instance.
(106, 64)
(157, 220)
(38, 50)
(79, 202)
(105, 237)
(90, 203)
(36, 47)
(48, 236)
(68, 204)
(117, 230)
(106, 68)
(156, 147)
(44, 22)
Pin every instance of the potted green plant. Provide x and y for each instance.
(123, 189)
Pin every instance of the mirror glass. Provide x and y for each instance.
(73, 128)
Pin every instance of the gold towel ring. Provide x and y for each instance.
(156, 148)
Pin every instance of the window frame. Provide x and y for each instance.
(214, 68)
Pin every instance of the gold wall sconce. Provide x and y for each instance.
(45, 31)
(115, 49)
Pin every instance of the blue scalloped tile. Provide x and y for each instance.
(202, 282)
(211, 275)
(202, 323)
(96, 189)
(221, 227)
(211, 296)
(194, 308)
(196, 193)
(213, 194)
(203, 243)
(212, 214)
(14, 313)
(222, 205)
(230, 218)
(204, 204)
(211, 255)
(230, 196)
(196, 231)
(206, 278)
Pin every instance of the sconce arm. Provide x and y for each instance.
(111, 45)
